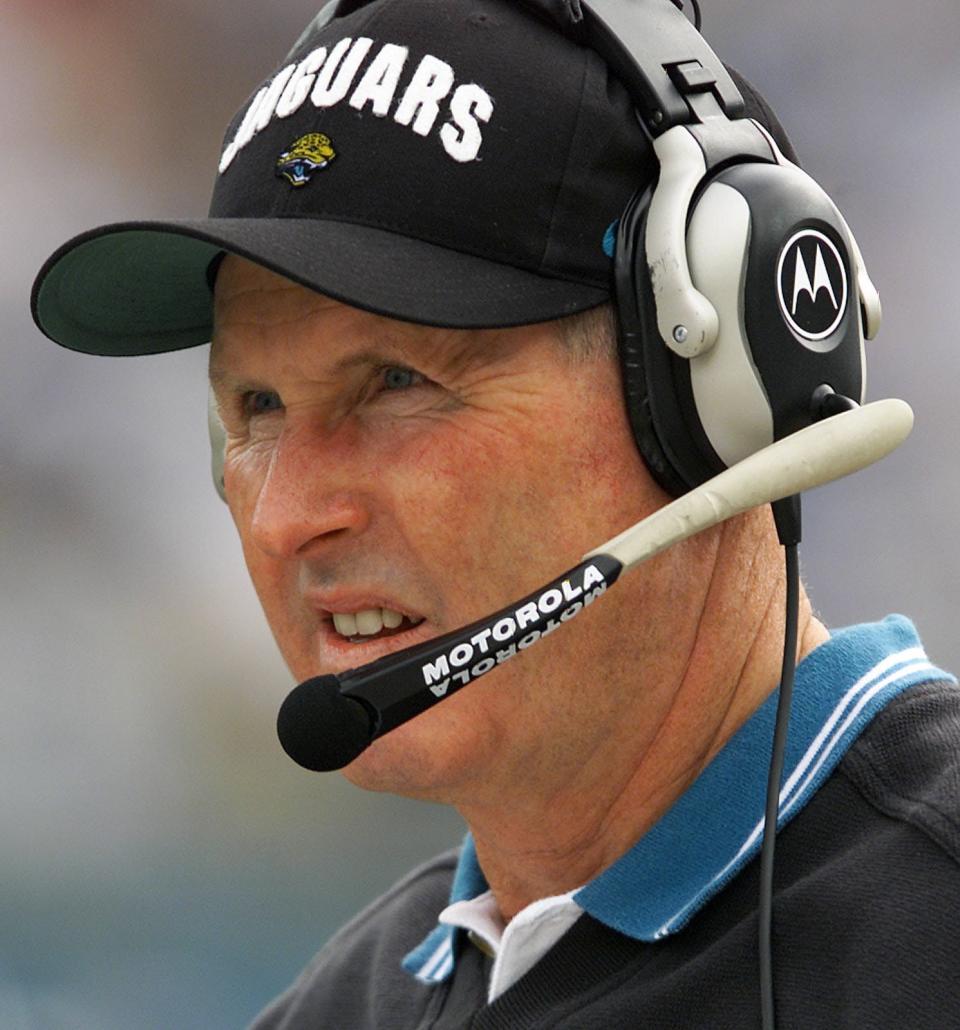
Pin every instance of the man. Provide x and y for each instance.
(415, 363)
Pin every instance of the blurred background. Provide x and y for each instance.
(162, 864)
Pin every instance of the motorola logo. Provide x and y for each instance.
(811, 285)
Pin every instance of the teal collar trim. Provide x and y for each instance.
(715, 828)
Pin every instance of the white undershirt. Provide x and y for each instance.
(517, 946)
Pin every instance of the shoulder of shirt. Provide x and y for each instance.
(370, 945)
(906, 764)
(421, 884)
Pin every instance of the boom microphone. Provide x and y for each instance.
(327, 721)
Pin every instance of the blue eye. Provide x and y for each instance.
(396, 377)
(261, 402)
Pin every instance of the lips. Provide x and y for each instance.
(337, 653)
(357, 628)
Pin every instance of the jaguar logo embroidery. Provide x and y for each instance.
(306, 155)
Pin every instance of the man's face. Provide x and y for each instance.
(381, 472)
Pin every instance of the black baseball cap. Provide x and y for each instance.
(447, 162)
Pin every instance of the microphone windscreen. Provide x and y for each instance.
(320, 728)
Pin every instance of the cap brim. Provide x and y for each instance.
(142, 287)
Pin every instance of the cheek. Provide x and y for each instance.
(242, 480)
(244, 474)
(244, 471)
(452, 491)
(476, 466)
(245, 461)
(268, 576)
(498, 504)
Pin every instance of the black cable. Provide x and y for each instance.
(697, 20)
(773, 784)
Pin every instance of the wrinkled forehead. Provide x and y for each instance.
(265, 320)
(249, 296)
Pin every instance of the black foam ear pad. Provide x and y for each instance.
(656, 382)
(631, 332)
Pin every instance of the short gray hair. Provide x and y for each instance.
(588, 334)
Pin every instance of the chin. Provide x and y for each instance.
(427, 758)
(390, 766)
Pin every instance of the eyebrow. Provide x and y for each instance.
(217, 374)
(391, 351)
(225, 382)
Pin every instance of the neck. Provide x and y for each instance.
(567, 816)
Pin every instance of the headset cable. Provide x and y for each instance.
(787, 517)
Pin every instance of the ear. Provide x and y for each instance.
(218, 443)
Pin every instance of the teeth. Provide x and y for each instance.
(345, 624)
(366, 623)
(369, 622)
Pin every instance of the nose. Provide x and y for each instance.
(314, 492)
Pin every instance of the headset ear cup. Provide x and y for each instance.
(641, 418)
(764, 240)
(656, 382)
(218, 443)
(629, 280)
(799, 304)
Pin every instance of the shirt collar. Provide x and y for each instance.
(716, 826)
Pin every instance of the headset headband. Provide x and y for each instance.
(663, 61)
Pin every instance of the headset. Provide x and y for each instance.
(771, 337)
(742, 303)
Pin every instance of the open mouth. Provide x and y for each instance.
(372, 624)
